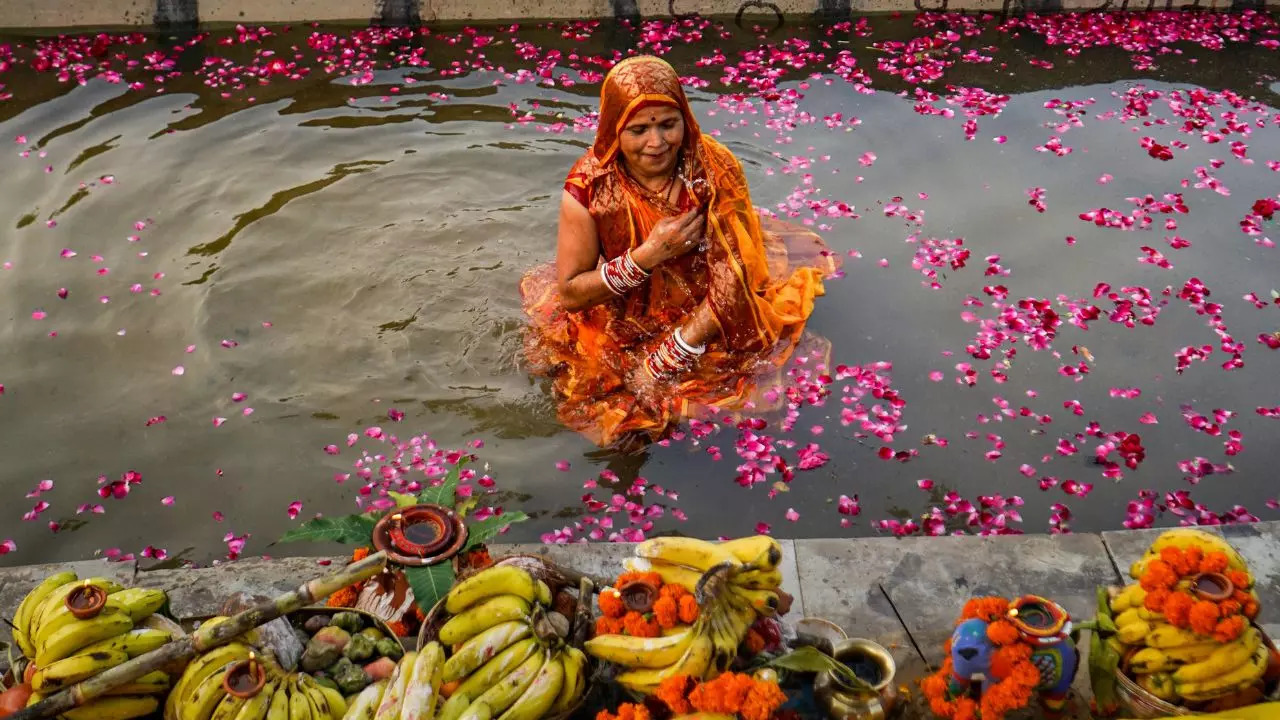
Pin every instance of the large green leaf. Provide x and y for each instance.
(350, 530)
(430, 584)
(481, 531)
(403, 500)
(443, 494)
(810, 659)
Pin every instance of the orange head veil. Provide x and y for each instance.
(632, 85)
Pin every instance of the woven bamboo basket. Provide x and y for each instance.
(1143, 705)
(560, 580)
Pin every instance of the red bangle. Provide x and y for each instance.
(669, 359)
(622, 274)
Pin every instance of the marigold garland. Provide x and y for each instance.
(734, 694)
(1167, 582)
(1011, 665)
(675, 606)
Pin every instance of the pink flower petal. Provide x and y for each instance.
(1148, 419)
(179, 370)
(167, 500)
(792, 515)
(562, 465)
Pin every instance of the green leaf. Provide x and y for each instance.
(430, 584)
(350, 530)
(444, 493)
(482, 531)
(811, 659)
(403, 500)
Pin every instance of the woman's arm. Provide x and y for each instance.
(578, 257)
(700, 327)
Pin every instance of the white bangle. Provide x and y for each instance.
(700, 349)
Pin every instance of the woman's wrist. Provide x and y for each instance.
(643, 256)
(672, 357)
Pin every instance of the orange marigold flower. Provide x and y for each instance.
(754, 642)
(986, 608)
(637, 625)
(674, 693)
(1176, 560)
(673, 591)
(1002, 632)
(1238, 578)
(1214, 561)
(608, 625)
(1229, 607)
(1250, 609)
(346, 597)
(1155, 599)
(1177, 609)
(725, 694)
(1194, 557)
(606, 715)
(360, 554)
(762, 700)
(688, 609)
(610, 602)
(1229, 629)
(1204, 617)
(666, 613)
(966, 709)
(632, 711)
(1158, 575)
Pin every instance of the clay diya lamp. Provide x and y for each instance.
(86, 601)
(420, 534)
(1212, 586)
(245, 679)
(638, 595)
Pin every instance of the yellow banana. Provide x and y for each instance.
(762, 551)
(137, 641)
(692, 552)
(337, 703)
(113, 708)
(764, 602)
(62, 617)
(484, 615)
(65, 642)
(214, 661)
(1159, 684)
(1128, 617)
(423, 689)
(502, 665)
(1184, 537)
(1187, 654)
(480, 648)
(1237, 679)
(140, 602)
(153, 683)
(255, 708)
(695, 662)
(204, 698)
(1151, 660)
(1166, 636)
(541, 694)
(453, 708)
(319, 703)
(759, 579)
(477, 711)
(56, 600)
(299, 706)
(22, 618)
(393, 697)
(497, 580)
(1223, 660)
(68, 671)
(671, 574)
(228, 707)
(640, 652)
(364, 705)
(575, 680)
(502, 695)
(278, 708)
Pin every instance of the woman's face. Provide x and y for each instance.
(651, 141)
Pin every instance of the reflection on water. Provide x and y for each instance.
(334, 250)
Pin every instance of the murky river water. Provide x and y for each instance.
(333, 251)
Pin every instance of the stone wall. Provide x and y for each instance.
(188, 13)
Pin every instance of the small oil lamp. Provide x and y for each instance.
(86, 601)
(246, 678)
(420, 534)
(1039, 620)
(1212, 586)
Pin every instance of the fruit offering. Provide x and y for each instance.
(343, 653)
(502, 653)
(1184, 630)
(72, 629)
(728, 589)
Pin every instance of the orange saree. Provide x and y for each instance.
(760, 279)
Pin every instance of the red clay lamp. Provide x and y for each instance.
(86, 601)
(245, 679)
(420, 535)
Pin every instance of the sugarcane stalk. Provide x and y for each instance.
(203, 639)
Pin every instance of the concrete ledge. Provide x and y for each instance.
(168, 13)
(903, 593)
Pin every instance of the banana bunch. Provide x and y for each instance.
(501, 654)
(65, 650)
(199, 693)
(1184, 538)
(735, 583)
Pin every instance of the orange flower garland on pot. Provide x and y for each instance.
(743, 696)
(640, 605)
(1195, 589)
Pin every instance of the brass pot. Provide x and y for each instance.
(842, 702)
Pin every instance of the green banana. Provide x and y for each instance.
(23, 617)
(69, 671)
(471, 622)
(496, 580)
(541, 694)
(480, 648)
(501, 696)
(66, 641)
(499, 667)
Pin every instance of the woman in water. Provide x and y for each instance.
(667, 294)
